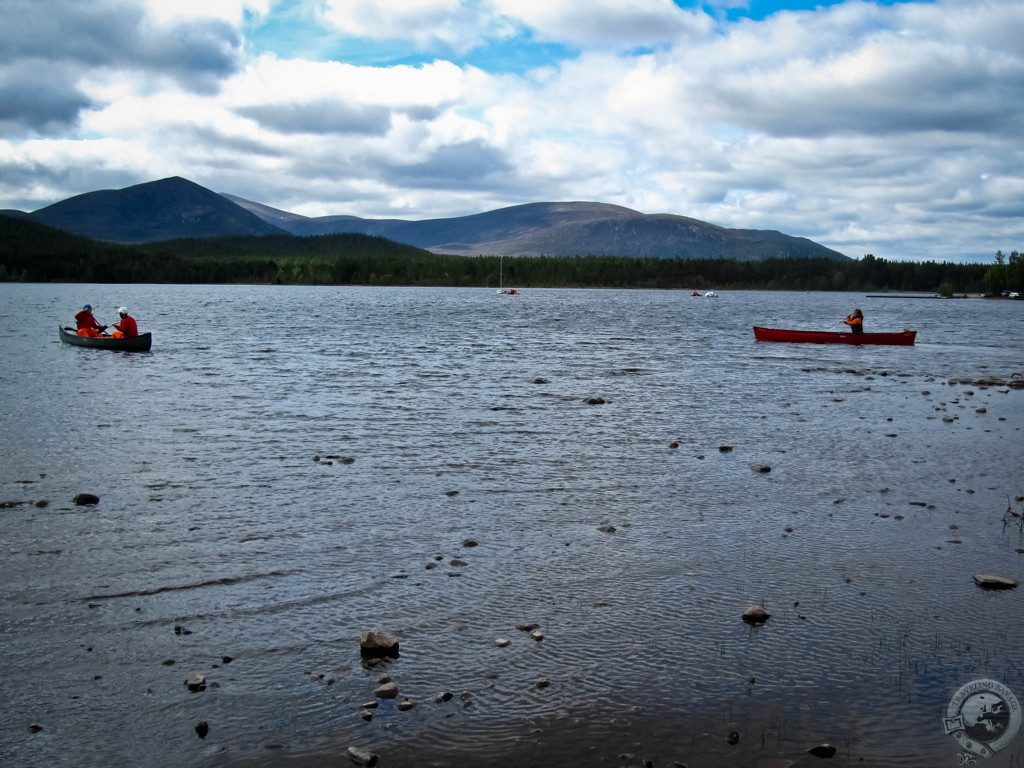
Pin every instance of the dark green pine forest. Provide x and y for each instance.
(34, 253)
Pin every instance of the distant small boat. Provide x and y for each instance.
(140, 343)
(695, 293)
(501, 280)
(710, 295)
(904, 338)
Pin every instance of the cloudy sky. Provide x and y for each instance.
(895, 128)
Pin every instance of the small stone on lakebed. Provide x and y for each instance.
(988, 581)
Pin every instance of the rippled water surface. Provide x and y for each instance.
(217, 533)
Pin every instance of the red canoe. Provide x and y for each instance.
(904, 338)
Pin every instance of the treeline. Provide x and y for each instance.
(35, 253)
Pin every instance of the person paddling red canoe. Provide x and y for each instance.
(127, 328)
(87, 324)
(856, 321)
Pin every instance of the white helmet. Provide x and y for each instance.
(122, 310)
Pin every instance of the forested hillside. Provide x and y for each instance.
(32, 252)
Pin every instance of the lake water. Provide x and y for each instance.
(215, 519)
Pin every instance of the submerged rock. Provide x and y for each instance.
(733, 737)
(538, 380)
(755, 614)
(595, 401)
(457, 563)
(607, 528)
(86, 499)
(988, 581)
(470, 543)
(378, 644)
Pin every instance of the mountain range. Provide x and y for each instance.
(175, 208)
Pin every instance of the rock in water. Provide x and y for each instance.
(470, 542)
(823, 751)
(86, 499)
(196, 683)
(202, 728)
(378, 644)
(595, 401)
(988, 581)
(755, 614)
(607, 529)
(501, 642)
(387, 691)
(362, 756)
(724, 448)
(443, 696)
(537, 635)
(406, 704)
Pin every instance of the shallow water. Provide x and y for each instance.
(215, 518)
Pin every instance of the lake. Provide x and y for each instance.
(861, 495)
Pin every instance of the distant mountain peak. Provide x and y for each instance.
(164, 209)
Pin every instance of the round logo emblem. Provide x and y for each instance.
(983, 717)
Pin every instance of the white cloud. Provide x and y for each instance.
(892, 130)
(606, 23)
(453, 25)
